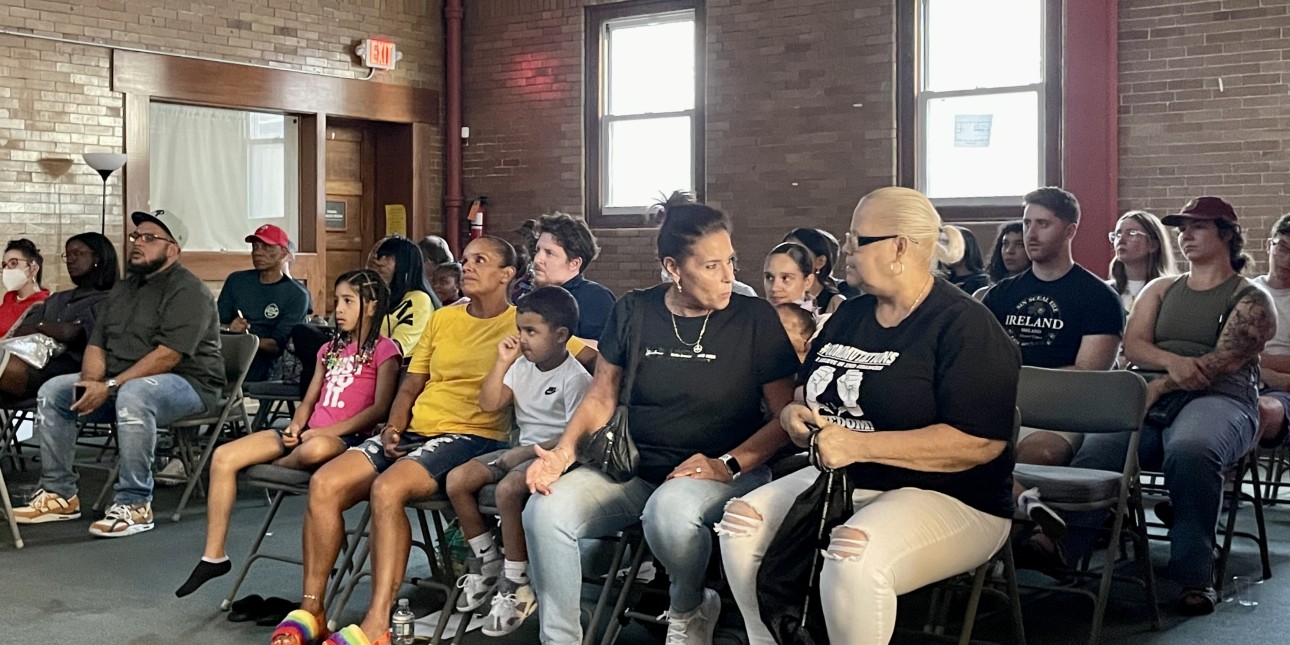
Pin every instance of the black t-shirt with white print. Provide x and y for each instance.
(949, 362)
(688, 401)
(1049, 319)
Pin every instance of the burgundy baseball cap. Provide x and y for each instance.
(270, 234)
(1203, 208)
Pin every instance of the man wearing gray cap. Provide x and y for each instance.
(153, 358)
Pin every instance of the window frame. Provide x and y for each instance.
(596, 123)
(911, 110)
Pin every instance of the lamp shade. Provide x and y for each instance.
(104, 162)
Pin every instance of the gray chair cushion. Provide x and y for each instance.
(1077, 486)
(272, 390)
(488, 496)
(278, 478)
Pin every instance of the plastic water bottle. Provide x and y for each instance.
(404, 631)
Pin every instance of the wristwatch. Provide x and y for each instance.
(732, 465)
(111, 386)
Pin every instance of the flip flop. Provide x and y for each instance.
(298, 628)
(353, 635)
(246, 609)
(274, 610)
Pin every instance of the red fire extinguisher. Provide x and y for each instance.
(476, 217)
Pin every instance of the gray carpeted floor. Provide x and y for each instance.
(76, 589)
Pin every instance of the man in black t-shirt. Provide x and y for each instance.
(565, 248)
(1062, 316)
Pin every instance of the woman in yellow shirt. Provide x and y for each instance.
(399, 262)
(435, 424)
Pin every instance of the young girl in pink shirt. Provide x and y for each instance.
(351, 391)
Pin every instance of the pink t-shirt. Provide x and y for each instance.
(349, 387)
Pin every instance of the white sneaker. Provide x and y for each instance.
(124, 519)
(513, 603)
(172, 474)
(1042, 514)
(479, 580)
(48, 507)
(695, 627)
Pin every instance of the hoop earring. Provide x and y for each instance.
(893, 268)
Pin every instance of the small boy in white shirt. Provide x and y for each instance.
(534, 371)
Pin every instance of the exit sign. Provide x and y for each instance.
(378, 53)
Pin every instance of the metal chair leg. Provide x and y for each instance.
(8, 512)
(618, 618)
(255, 550)
(974, 600)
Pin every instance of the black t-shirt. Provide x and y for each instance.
(685, 401)
(970, 282)
(949, 362)
(1049, 320)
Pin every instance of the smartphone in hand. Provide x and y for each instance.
(78, 393)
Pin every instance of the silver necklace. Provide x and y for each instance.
(927, 287)
(697, 346)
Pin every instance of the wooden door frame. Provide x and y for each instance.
(312, 97)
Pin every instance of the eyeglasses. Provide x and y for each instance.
(16, 263)
(1115, 236)
(857, 241)
(147, 238)
(74, 255)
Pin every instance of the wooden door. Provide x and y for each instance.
(350, 230)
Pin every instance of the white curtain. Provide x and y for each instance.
(224, 172)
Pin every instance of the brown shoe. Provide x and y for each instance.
(48, 507)
(124, 519)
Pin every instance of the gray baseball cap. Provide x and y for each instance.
(167, 220)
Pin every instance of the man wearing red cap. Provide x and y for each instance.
(265, 301)
(1203, 331)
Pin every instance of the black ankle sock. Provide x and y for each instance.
(201, 574)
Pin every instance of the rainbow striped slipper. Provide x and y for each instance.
(352, 635)
(298, 628)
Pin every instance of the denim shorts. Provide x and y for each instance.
(438, 454)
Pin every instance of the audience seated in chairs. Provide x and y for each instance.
(535, 372)
(266, 300)
(696, 450)
(911, 389)
(1143, 252)
(564, 249)
(22, 274)
(1063, 317)
(435, 424)
(1209, 380)
(153, 358)
(399, 262)
(351, 391)
(66, 316)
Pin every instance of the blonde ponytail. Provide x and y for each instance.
(909, 213)
(951, 249)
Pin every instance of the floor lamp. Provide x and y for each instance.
(105, 163)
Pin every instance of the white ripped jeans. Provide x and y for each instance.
(896, 542)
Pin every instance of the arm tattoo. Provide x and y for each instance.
(1249, 327)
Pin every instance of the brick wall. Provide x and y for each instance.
(55, 101)
(799, 118)
(1182, 134)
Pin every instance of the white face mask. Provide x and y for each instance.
(14, 279)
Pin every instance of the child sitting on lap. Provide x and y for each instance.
(534, 371)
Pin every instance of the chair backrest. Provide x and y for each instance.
(1081, 401)
(238, 351)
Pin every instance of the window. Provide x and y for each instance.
(226, 172)
(644, 107)
(980, 102)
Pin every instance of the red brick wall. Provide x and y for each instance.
(799, 118)
(55, 101)
(1181, 134)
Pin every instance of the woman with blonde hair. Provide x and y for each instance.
(910, 389)
(1143, 252)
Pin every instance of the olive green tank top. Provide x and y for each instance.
(1188, 322)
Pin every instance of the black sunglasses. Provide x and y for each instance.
(857, 241)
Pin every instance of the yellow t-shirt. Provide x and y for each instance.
(408, 320)
(456, 351)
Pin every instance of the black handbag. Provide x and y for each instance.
(788, 582)
(610, 449)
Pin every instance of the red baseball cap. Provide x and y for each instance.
(1203, 208)
(270, 234)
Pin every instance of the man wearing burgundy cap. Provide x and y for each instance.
(1203, 332)
(265, 301)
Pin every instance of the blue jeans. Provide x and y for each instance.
(677, 516)
(1206, 440)
(139, 407)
